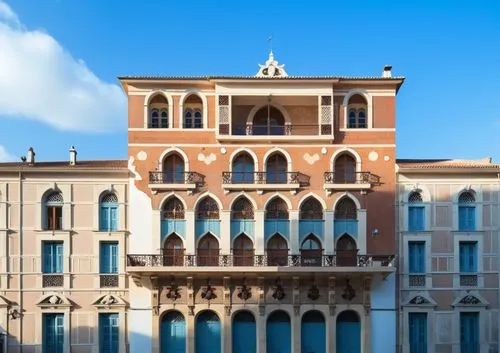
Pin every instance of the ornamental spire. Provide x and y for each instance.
(271, 68)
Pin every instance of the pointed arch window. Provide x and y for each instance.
(311, 209)
(357, 107)
(173, 169)
(345, 169)
(53, 207)
(173, 209)
(108, 212)
(208, 209)
(208, 251)
(345, 209)
(243, 169)
(243, 251)
(416, 212)
(346, 251)
(242, 209)
(193, 117)
(277, 251)
(311, 251)
(173, 251)
(277, 209)
(158, 112)
(269, 120)
(276, 169)
(466, 211)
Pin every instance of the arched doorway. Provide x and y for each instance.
(311, 251)
(278, 333)
(276, 169)
(173, 251)
(208, 333)
(348, 332)
(243, 251)
(345, 169)
(208, 251)
(277, 251)
(268, 120)
(347, 253)
(313, 332)
(173, 333)
(173, 169)
(243, 169)
(244, 333)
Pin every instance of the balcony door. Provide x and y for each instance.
(173, 251)
(276, 169)
(243, 251)
(208, 251)
(269, 121)
(311, 251)
(347, 253)
(277, 251)
(243, 169)
(345, 169)
(173, 169)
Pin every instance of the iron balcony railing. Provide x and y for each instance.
(265, 178)
(281, 130)
(351, 178)
(270, 259)
(176, 178)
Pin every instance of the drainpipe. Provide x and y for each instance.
(20, 247)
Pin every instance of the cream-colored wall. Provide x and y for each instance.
(21, 256)
(440, 192)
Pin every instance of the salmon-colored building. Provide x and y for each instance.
(262, 213)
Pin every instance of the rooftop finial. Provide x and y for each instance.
(271, 68)
(270, 40)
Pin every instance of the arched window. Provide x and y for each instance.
(348, 332)
(311, 251)
(53, 206)
(277, 209)
(158, 112)
(243, 251)
(193, 117)
(276, 169)
(346, 251)
(242, 209)
(207, 209)
(108, 212)
(311, 209)
(243, 169)
(357, 108)
(277, 251)
(268, 120)
(173, 209)
(208, 251)
(345, 169)
(173, 251)
(416, 212)
(173, 169)
(466, 211)
(345, 209)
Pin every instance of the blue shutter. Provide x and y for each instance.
(468, 257)
(416, 253)
(109, 257)
(114, 218)
(52, 257)
(58, 255)
(416, 218)
(108, 333)
(466, 218)
(114, 257)
(104, 218)
(47, 258)
(469, 332)
(418, 332)
(53, 333)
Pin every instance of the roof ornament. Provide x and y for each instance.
(271, 68)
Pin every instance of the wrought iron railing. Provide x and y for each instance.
(281, 130)
(265, 178)
(176, 178)
(261, 260)
(351, 178)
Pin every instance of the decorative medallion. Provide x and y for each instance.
(208, 293)
(311, 159)
(172, 292)
(313, 292)
(279, 291)
(245, 292)
(349, 293)
(207, 159)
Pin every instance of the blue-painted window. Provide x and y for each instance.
(416, 252)
(469, 332)
(416, 212)
(109, 257)
(188, 119)
(109, 333)
(276, 169)
(53, 333)
(198, 121)
(52, 257)
(243, 169)
(164, 119)
(466, 211)
(418, 332)
(108, 212)
(468, 256)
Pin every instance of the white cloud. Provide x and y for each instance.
(5, 156)
(40, 80)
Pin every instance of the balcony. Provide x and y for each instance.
(175, 181)
(350, 181)
(276, 132)
(260, 263)
(264, 181)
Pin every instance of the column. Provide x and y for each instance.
(156, 237)
(190, 241)
(362, 232)
(329, 242)
(260, 241)
(294, 232)
(225, 232)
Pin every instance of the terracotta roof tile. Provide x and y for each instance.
(286, 78)
(82, 165)
(484, 163)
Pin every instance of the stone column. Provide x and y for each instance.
(362, 232)
(225, 232)
(260, 241)
(294, 232)
(190, 241)
(329, 242)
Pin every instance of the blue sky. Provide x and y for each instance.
(59, 60)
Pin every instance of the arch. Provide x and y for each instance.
(242, 208)
(173, 208)
(278, 332)
(347, 150)
(208, 249)
(345, 208)
(208, 337)
(147, 100)
(173, 332)
(169, 196)
(283, 197)
(108, 211)
(424, 192)
(173, 250)
(52, 210)
(349, 195)
(171, 150)
(348, 332)
(311, 251)
(314, 195)
(346, 250)
(244, 335)
(203, 98)
(368, 100)
(283, 152)
(252, 154)
(108, 197)
(346, 242)
(275, 209)
(256, 108)
(243, 168)
(245, 195)
(277, 250)
(311, 208)
(212, 195)
(313, 332)
(243, 250)
(311, 242)
(170, 238)
(207, 208)
(53, 196)
(276, 239)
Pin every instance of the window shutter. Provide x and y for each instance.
(114, 218)
(420, 258)
(47, 258)
(105, 258)
(411, 218)
(472, 257)
(471, 218)
(114, 258)
(59, 254)
(104, 218)
(420, 218)
(463, 257)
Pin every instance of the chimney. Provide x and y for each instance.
(30, 158)
(387, 71)
(72, 156)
